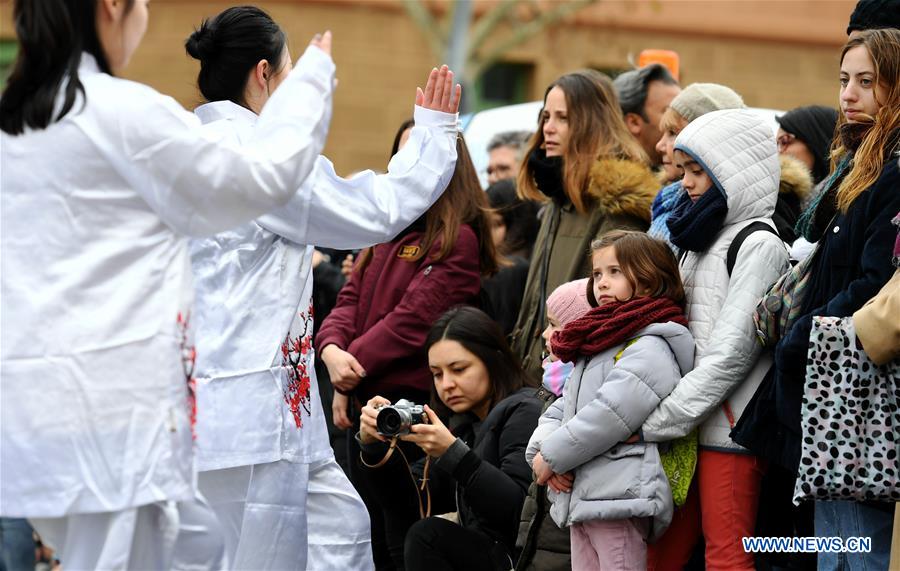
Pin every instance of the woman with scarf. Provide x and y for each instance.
(584, 164)
(731, 175)
(851, 221)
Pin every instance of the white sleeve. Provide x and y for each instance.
(333, 212)
(729, 359)
(201, 183)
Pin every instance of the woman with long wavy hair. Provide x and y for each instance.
(851, 221)
(584, 164)
(592, 176)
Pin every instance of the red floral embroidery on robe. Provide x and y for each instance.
(296, 353)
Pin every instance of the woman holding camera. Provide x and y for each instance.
(478, 425)
(372, 341)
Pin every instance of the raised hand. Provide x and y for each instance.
(322, 41)
(440, 93)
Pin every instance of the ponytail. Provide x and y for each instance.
(52, 36)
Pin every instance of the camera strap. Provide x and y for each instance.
(424, 507)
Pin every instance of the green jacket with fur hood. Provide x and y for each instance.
(619, 197)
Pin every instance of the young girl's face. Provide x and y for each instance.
(610, 283)
(694, 180)
(552, 326)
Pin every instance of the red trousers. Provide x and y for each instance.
(721, 504)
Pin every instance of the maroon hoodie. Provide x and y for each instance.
(382, 317)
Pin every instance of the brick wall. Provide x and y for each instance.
(777, 54)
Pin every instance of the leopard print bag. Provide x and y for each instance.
(850, 420)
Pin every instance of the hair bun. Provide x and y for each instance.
(201, 44)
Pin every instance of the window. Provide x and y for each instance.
(8, 50)
(503, 84)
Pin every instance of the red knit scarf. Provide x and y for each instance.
(612, 324)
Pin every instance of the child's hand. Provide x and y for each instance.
(542, 470)
(561, 483)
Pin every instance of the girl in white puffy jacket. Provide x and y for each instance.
(731, 174)
(629, 352)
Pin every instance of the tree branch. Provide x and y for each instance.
(487, 23)
(423, 19)
(477, 64)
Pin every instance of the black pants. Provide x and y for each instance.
(435, 544)
(389, 523)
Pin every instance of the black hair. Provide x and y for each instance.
(229, 46)
(52, 36)
(408, 124)
(519, 216)
(632, 87)
(483, 337)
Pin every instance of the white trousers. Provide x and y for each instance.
(289, 516)
(154, 537)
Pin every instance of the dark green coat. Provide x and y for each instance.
(619, 197)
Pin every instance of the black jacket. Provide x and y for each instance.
(505, 290)
(485, 477)
(852, 264)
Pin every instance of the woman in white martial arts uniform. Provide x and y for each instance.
(265, 462)
(101, 180)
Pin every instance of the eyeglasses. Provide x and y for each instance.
(785, 141)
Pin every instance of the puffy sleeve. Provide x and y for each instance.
(877, 323)
(726, 362)
(645, 373)
(549, 421)
(200, 183)
(368, 208)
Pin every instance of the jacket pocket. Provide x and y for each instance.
(613, 475)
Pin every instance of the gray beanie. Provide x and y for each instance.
(701, 98)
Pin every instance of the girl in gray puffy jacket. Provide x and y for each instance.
(629, 351)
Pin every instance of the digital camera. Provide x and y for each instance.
(396, 419)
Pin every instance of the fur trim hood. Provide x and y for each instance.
(622, 186)
(795, 178)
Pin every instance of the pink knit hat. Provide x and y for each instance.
(569, 301)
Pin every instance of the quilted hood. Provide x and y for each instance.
(737, 150)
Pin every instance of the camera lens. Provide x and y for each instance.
(389, 422)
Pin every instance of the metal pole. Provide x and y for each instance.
(458, 46)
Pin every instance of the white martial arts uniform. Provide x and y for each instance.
(97, 351)
(266, 464)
